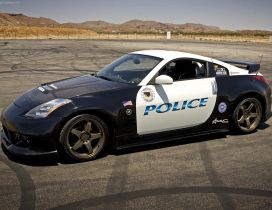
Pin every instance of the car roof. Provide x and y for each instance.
(170, 55)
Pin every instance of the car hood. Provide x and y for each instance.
(66, 89)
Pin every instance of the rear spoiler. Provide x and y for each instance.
(251, 67)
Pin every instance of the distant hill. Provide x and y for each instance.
(144, 26)
(132, 26)
(98, 24)
(23, 20)
(7, 19)
(155, 26)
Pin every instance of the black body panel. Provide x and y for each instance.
(233, 88)
(88, 94)
(66, 89)
(27, 136)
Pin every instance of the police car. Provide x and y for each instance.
(143, 97)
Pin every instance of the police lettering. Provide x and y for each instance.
(177, 106)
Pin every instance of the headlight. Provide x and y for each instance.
(45, 109)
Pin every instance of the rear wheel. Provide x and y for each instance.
(247, 115)
(84, 137)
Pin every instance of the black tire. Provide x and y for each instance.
(84, 137)
(247, 115)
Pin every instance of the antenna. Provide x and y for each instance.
(260, 61)
(261, 58)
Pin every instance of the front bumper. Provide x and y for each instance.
(28, 137)
(21, 148)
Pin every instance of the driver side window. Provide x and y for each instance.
(185, 69)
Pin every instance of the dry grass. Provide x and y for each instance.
(229, 38)
(220, 38)
(23, 32)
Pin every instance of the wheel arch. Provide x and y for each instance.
(106, 117)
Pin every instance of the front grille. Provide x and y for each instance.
(16, 138)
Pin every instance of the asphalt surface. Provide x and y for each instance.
(211, 172)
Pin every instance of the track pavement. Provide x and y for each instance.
(211, 172)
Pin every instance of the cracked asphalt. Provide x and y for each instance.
(209, 172)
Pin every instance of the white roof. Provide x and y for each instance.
(169, 55)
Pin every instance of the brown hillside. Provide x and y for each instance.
(98, 24)
(144, 26)
(132, 26)
(23, 20)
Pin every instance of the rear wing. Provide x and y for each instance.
(251, 67)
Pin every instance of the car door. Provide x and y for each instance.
(182, 104)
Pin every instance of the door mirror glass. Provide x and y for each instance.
(163, 80)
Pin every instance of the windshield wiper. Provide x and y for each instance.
(103, 77)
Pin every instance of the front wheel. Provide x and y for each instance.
(247, 115)
(84, 137)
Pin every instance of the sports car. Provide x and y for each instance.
(143, 97)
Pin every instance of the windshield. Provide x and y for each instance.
(131, 68)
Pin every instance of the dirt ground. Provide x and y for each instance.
(214, 172)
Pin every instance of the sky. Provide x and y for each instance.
(226, 14)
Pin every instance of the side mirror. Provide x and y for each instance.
(163, 80)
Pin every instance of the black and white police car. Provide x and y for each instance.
(142, 98)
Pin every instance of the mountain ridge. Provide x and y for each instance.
(9, 19)
(130, 26)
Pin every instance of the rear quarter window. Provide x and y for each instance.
(220, 70)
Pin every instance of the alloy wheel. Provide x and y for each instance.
(248, 115)
(84, 137)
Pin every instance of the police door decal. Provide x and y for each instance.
(176, 106)
(179, 105)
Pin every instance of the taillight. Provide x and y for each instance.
(260, 78)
